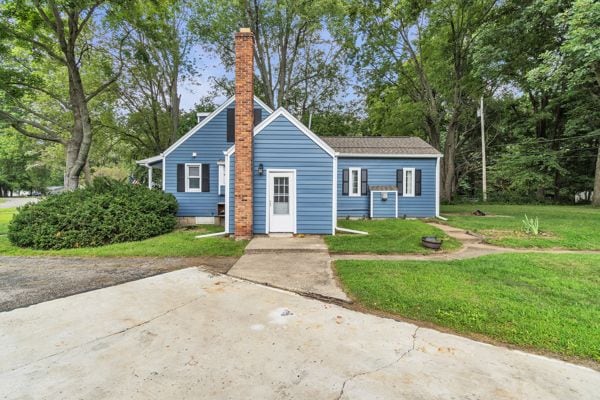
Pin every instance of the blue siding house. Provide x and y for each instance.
(285, 178)
(302, 183)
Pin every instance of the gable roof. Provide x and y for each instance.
(198, 126)
(406, 146)
(283, 112)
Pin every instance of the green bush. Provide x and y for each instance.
(106, 212)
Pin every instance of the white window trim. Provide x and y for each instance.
(221, 164)
(350, 186)
(412, 183)
(187, 176)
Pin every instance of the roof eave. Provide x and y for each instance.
(391, 155)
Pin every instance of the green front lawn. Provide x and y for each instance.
(571, 227)
(5, 217)
(387, 236)
(536, 301)
(180, 243)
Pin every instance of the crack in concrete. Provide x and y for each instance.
(101, 338)
(364, 373)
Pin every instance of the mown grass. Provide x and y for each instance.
(387, 236)
(180, 243)
(570, 227)
(536, 301)
(5, 217)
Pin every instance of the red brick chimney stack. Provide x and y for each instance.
(244, 125)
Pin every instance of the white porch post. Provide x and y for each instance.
(150, 177)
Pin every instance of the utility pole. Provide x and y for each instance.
(483, 161)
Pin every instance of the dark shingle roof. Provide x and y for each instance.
(390, 145)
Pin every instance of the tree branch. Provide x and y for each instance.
(17, 124)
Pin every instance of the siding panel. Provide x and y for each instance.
(384, 209)
(281, 145)
(382, 171)
(208, 143)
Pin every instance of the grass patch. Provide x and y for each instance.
(567, 227)
(539, 301)
(180, 243)
(387, 236)
(5, 217)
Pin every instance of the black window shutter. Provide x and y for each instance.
(206, 177)
(417, 182)
(257, 116)
(345, 183)
(181, 177)
(364, 180)
(399, 183)
(231, 125)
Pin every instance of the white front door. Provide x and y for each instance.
(282, 201)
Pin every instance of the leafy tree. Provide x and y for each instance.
(158, 59)
(423, 52)
(56, 62)
(298, 65)
(23, 164)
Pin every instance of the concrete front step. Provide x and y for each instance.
(307, 244)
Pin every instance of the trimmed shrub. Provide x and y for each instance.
(106, 212)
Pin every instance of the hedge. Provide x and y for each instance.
(103, 213)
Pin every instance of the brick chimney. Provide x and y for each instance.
(244, 125)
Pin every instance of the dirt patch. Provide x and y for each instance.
(497, 234)
(30, 280)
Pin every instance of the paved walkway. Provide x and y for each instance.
(11, 202)
(300, 264)
(190, 335)
(472, 247)
(30, 280)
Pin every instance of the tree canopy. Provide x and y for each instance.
(95, 84)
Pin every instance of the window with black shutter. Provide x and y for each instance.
(345, 181)
(364, 181)
(231, 122)
(417, 182)
(400, 181)
(231, 125)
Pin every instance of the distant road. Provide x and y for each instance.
(10, 202)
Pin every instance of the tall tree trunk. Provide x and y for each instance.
(175, 100)
(448, 164)
(596, 196)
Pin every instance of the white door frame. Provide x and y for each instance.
(293, 195)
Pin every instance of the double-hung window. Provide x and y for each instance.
(193, 177)
(409, 182)
(354, 182)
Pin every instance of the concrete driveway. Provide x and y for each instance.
(191, 335)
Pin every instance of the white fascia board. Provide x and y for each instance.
(357, 155)
(263, 105)
(283, 112)
(208, 119)
(150, 160)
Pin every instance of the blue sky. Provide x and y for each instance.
(207, 66)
